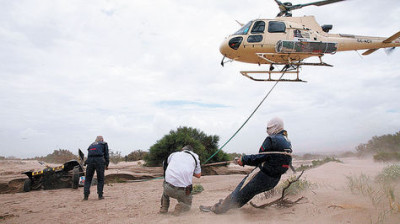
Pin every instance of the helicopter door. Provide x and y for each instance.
(255, 38)
(276, 32)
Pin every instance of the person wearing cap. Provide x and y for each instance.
(180, 168)
(98, 160)
(273, 160)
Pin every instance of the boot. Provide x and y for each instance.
(85, 197)
(223, 205)
(204, 208)
(101, 197)
(164, 204)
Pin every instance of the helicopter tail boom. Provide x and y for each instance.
(386, 41)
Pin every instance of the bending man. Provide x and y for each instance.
(181, 167)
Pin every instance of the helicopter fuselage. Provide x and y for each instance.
(287, 40)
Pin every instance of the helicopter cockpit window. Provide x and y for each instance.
(244, 29)
(254, 38)
(276, 27)
(258, 27)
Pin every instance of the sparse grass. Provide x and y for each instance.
(389, 179)
(383, 191)
(364, 185)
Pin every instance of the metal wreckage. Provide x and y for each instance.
(65, 176)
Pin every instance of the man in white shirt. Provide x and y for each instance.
(181, 168)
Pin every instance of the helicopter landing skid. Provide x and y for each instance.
(291, 67)
(269, 78)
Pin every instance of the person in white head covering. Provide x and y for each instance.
(273, 160)
(274, 126)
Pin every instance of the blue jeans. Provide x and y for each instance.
(245, 191)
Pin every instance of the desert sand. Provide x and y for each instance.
(329, 200)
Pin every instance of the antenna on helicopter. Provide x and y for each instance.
(286, 7)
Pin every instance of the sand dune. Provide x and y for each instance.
(328, 201)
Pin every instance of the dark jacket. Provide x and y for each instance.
(99, 150)
(272, 164)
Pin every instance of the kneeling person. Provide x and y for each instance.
(182, 166)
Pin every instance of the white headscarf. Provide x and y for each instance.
(274, 126)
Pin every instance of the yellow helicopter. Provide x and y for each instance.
(287, 41)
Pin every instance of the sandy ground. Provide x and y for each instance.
(328, 201)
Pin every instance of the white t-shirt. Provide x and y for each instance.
(181, 167)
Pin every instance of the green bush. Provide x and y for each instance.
(202, 144)
(380, 145)
(58, 156)
(136, 155)
(389, 174)
(316, 163)
(387, 156)
(326, 160)
(115, 157)
(297, 187)
(234, 155)
(197, 188)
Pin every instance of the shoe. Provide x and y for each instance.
(85, 197)
(205, 208)
(101, 197)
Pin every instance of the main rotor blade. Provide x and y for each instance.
(281, 6)
(278, 2)
(324, 2)
(319, 3)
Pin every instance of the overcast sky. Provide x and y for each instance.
(134, 70)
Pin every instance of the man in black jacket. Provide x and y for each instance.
(98, 159)
(273, 160)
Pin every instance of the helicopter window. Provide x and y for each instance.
(244, 29)
(258, 27)
(276, 27)
(254, 38)
(235, 42)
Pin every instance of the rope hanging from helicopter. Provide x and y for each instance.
(283, 71)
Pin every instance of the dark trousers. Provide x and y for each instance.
(246, 190)
(98, 165)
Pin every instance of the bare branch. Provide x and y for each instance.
(282, 201)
